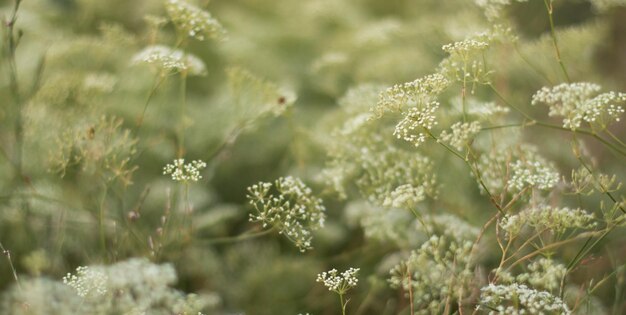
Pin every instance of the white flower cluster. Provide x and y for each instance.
(461, 134)
(405, 196)
(172, 60)
(293, 210)
(518, 299)
(410, 94)
(435, 273)
(533, 171)
(396, 178)
(87, 282)
(408, 129)
(465, 47)
(543, 273)
(493, 168)
(544, 217)
(339, 282)
(182, 172)
(193, 21)
(576, 103)
(416, 101)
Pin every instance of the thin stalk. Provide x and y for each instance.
(7, 253)
(238, 238)
(533, 121)
(101, 217)
(614, 137)
(155, 86)
(343, 304)
(531, 65)
(551, 246)
(183, 111)
(473, 169)
(550, 10)
(408, 274)
(12, 42)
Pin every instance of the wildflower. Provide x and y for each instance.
(436, 272)
(405, 196)
(193, 21)
(396, 178)
(461, 134)
(182, 172)
(167, 59)
(544, 273)
(339, 282)
(517, 299)
(465, 47)
(420, 92)
(534, 171)
(87, 282)
(544, 217)
(576, 103)
(289, 206)
(408, 129)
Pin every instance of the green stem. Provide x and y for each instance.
(183, 111)
(238, 238)
(7, 253)
(157, 83)
(101, 217)
(533, 121)
(343, 304)
(473, 169)
(550, 10)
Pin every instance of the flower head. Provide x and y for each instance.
(87, 282)
(170, 60)
(339, 282)
(580, 102)
(182, 172)
(519, 299)
(193, 21)
(289, 206)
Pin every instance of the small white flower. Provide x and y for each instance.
(193, 21)
(87, 282)
(576, 103)
(290, 207)
(339, 282)
(182, 172)
(170, 60)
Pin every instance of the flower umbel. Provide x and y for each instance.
(87, 282)
(170, 60)
(519, 299)
(290, 207)
(193, 21)
(182, 172)
(576, 103)
(339, 282)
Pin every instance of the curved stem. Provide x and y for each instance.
(155, 86)
(473, 169)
